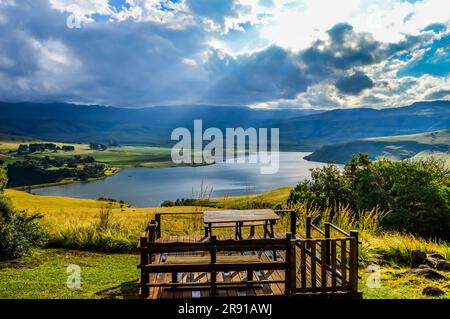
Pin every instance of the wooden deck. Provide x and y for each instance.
(221, 266)
(235, 276)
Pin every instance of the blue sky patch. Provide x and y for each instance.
(436, 61)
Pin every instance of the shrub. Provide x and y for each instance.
(18, 232)
(416, 194)
(3, 179)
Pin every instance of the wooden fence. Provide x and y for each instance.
(311, 265)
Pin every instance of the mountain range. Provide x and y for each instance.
(299, 129)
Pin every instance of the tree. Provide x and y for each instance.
(3, 179)
(416, 194)
(325, 189)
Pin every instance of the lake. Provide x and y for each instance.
(145, 187)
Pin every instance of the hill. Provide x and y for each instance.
(395, 147)
(299, 129)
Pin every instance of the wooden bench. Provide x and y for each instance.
(238, 227)
(240, 219)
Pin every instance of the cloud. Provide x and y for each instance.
(123, 63)
(439, 95)
(354, 84)
(278, 73)
(265, 75)
(155, 52)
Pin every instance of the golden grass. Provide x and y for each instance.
(272, 198)
(397, 247)
(62, 213)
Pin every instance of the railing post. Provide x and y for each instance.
(354, 261)
(145, 277)
(158, 225)
(293, 266)
(293, 216)
(308, 227)
(213, 253)
(290, 274)
(327, 243)
(308, 230)
(152, 226)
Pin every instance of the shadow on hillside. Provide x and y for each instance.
(126, 290)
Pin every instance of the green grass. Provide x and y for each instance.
(43, 275)
(114, 276)
(397, 283)
(437, 137)
(268, 200)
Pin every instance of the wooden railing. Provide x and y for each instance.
(326, 265)
(148, 249)
(311, 265)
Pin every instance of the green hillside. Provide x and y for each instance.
(394, 147)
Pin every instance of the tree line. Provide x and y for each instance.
(415, 194)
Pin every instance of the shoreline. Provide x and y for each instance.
(115, 169)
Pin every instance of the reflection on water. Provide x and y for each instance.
(146, 187)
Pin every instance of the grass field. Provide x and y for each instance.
(44, 275)
(268, 199)
(120, 156)
(62, 213)
(112, 275)
(437, 137)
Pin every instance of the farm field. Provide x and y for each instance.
(119, 156)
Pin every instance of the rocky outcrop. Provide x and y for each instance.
(432, 291)
(426, 265)
(419, 259)
(428, 273)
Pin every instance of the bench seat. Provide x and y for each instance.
(228, 225)
(183, 260)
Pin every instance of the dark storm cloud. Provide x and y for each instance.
(275, 73)
(266, 75)
(145, 63)
(126, 63)
(354, 84)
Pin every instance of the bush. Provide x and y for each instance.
(3, 179)
(416, 194)
(18, 232)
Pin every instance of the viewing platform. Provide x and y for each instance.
(313, 263)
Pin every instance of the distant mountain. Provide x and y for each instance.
(299, 129)
(345, 125)
(149, 126)
(394, 147)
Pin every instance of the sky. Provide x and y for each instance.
(318, 54)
